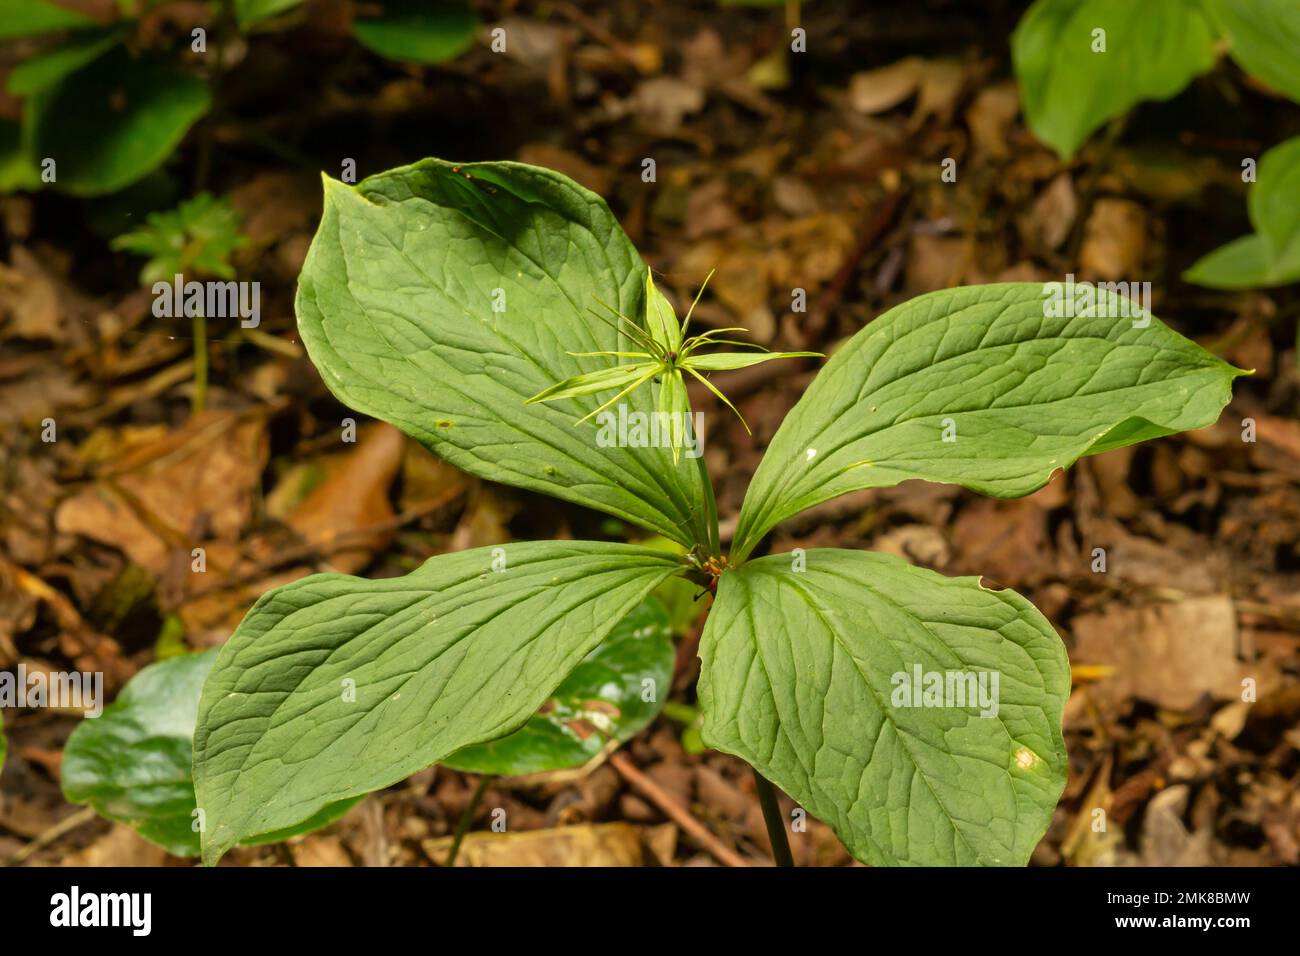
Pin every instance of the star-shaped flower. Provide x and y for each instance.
(665, 354)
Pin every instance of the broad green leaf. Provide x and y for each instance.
(601, 700)
(334, 686)
(1271, 256)
(251, 12)
(79, 49)
(1245, 263)
(804, 673)
(418, 31)
(1152, 50)
(25, 18)
(980, 387)
(112, 122)
(1264, 38)
(132, 763)
(441, 298)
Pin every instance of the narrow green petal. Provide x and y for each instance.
(600, 381)
(726, 401)
(725, 361)
(641, 381)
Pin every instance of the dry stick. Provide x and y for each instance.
(466, 818)
(66, 825)
(675, 811)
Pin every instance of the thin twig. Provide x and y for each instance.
(66, 825)
(675, 811)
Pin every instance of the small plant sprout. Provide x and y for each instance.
(666, 353)
(917, 715)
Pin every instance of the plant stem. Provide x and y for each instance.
(711, 509)
(775, 822)
(466, 818)
(200, 398)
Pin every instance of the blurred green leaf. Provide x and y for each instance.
(25, 18)
(17, 171)
(251, 12)
(132, 763)
(1152, 51)
(78, 50)
(418, 31)
(601, 699)
(195, 238)
(112, 122)
(692, 722)
(1265, 39)
(1271, 255)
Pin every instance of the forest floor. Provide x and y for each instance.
(818, 172)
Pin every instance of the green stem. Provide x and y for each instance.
(711, 504)
(775, 822)
(466, 818)
(200, 398)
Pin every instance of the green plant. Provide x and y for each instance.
(195, 239)
(441, 297)
(132, 764)
(1081, 63)
(109, 110)
(1270, 256)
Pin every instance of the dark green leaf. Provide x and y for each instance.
(78, 50)
(418, 31)
(1271, 256)
(334, 686)
(1153, 49)
(602, 699)
(442, 298)
(1264, 38)
(981, 387)
(112, 122)
(24, 18)
(252, 12)
(803, 677)
(132, 763)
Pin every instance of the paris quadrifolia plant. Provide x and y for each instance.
(491, 311)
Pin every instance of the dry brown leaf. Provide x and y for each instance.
(875, 91)
(1115, 241)
(352, 498)
(1168, 654)
(588, 844)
